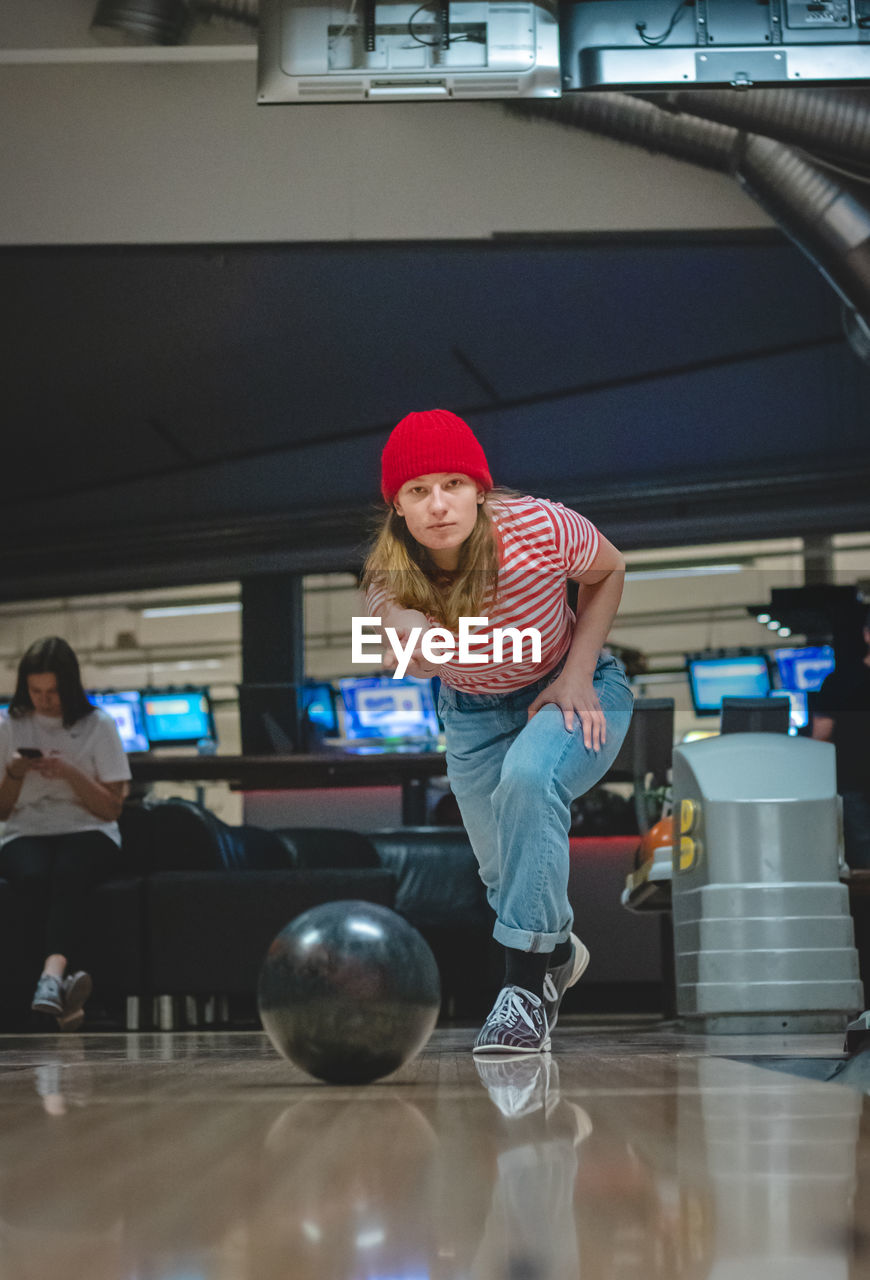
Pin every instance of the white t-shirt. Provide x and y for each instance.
(49, 806)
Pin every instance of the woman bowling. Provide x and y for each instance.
(64, 781)
(526, 732)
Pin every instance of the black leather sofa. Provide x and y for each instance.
(178, 937)
(193, 908)
(439, 891)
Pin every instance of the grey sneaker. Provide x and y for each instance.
(48, 996)
(517, 1024)
(558, 980)
(77, 988)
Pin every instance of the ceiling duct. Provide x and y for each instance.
(168, 22)
(815, 209)
(827, 122)
(149, 21)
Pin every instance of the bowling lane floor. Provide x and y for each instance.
(634, 1150)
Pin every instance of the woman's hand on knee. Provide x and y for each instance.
(575, 698)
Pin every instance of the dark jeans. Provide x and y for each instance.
(55, 874)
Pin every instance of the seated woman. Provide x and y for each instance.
(64, 782)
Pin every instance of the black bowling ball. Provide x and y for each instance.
(349, 991)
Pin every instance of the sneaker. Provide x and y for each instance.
(519, 1086)
(517, 1024)
(77, 988)
(48, 996)
(558, 980)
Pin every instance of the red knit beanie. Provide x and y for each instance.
(427, 442)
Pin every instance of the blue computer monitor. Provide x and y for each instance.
(178, 717)
(803, 670)
(319, 709)
(381, 707)
(125, 708)
(712, 679)
(799, 714)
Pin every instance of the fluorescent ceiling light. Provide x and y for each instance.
(686, 571)
(189, 610)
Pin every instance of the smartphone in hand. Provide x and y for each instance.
(30, 753)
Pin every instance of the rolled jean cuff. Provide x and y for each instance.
(523, 940)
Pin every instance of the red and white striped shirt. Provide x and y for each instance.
(541, 545)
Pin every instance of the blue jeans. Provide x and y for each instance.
(514, 780)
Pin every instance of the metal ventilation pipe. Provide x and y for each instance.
(169, 22)
(638, 121)
(829, 224)
(826, 221)
(830, 122)
(151, 21)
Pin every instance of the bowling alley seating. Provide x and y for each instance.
(208, 926)
(439, 892)
(194, 906)
(184, 926)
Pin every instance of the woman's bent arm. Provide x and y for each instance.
(104, 800)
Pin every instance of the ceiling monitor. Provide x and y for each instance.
(712, 678)
(802, 670)
(125, 708)
(178, 717)
(369, 51)
(648, 44)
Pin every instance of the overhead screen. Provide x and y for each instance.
(713, 42)
(713, 678)
(799, 673)
(178, 717)
(360, 50)
(356, 50)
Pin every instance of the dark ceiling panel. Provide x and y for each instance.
(147, 385)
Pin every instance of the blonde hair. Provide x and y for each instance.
(403, 568)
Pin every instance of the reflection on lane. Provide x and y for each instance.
(735, 1173)
(346, 1185)
(598, 1165)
